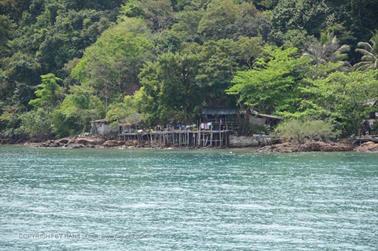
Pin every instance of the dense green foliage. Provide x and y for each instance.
(301, 130)
(273, 85)
(64, 63)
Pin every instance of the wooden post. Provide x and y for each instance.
(203, 138)
(211, 136)
(228, 139)
(199, 136)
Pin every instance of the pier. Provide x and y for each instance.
(179, 138)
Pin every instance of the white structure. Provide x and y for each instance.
(103, 128)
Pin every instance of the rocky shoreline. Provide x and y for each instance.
(312, 146)
(84, 142)
(318, 146)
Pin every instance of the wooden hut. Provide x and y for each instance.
(369, 126)
(236, 120)
(261, 119)
(103, 128)
(221, 118)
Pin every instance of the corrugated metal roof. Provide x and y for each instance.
(371, 102)
(269, 116)
(256, 113)
(219, 111)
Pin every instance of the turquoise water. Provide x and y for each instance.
(55, 199)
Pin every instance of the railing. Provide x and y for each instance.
(179, 138)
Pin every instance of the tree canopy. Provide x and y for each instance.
(64, 63)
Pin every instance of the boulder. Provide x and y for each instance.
(62, 141)
(318, 146)
(280, 148)
(113, 143)
(89, 140)
(367, 147)
(48, 143)
(312, 146)
(76, 146)
(74, 142)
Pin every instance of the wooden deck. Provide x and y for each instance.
(179, 138)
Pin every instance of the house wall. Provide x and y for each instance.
(250, 141)
(257, 121)
(104, 129)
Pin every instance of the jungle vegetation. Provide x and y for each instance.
(64, 63)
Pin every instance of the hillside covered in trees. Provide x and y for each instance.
(64, 63)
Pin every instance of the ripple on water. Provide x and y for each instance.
(186, 200)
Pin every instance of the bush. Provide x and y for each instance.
(36, 124)
(64, 126)
(299, 131)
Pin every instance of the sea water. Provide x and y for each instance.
(97, 199)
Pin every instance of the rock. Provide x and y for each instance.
(318, 146)
(62, 141)
(133, 143)
(113, 143)
(89, 140)
(31, 144)
(76, 146)
(48, 143)
(281, 148)
(74, 142)
(312, 146)
(367, 147)
(86, 141)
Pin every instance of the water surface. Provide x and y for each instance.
(54, 199)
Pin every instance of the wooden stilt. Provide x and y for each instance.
(211, 137)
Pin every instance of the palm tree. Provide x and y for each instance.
(369, 51)
(328, 50)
